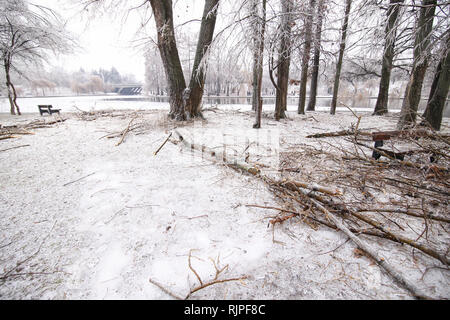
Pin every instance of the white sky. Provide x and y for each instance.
(105, 42)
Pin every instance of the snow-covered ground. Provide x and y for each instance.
(86, 219)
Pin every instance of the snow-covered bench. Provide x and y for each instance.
(379, 138)
(47, 109)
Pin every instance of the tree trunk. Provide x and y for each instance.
(315, 68)
(306, 57)
(162, 9)
(197, 83)
(284, 60)
(413, 91)
(381, 106)
(439, 92)
(341, 57)
(258, 59)
(12, 95)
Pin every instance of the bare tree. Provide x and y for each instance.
(258, 58)
(316, 59)
(413, 91)
(381, 106)
(306, 56)
(439, 89)
(348, 5)
(167, 45)
(154, 72)
(196, 85)
(27, 33)
(284, 60)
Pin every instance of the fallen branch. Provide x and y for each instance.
(213, 283)
(314, 187)
(165, 141)
(78, 179)
(402, 162)
(165, 290)
(210, 283)
(406, 212)
(202, 285)
(416, 292)
(124, 132)
(7, 137)
(401, 239)
(218, 155)
(327, 223)
(25, 145)
(8, 273)
(339, 134)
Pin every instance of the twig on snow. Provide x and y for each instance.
(25, 145)
(165, 141)
(78, 179)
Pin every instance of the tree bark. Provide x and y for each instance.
(412, 97)
(284, 60)
(255, 42)
(381, 106)
(439, 92)
(162, 10)
(341, 57)
(12, 95)
(315, 68)
(258, 59)
(197, 82)
(306, 57)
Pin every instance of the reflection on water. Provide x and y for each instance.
(322, 101)
(88, 103)
(215, 100)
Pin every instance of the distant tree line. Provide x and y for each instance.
(351, 40)
(59, 81)
(272, 46)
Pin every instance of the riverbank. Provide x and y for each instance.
(113, 101)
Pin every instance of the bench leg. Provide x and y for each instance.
(375, 154)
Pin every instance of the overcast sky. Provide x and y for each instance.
(105, 41)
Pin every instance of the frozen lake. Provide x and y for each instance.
(105, 102)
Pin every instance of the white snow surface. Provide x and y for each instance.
(136, 216)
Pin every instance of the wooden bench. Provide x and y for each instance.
(380, 137)
(47, 109)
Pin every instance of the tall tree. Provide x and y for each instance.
(26, 36)
(197, 83)
(162, 10)
(337, 77)
(284, 60)
(381, 106)
(316, 59)
(439, 89)
(306, 56)
(258, 59)
(413, 91)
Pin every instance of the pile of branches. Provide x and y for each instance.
(402, 200)
(94, 115)
(402, 197)
(135, 125)
(399, 200)
(13, 131)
